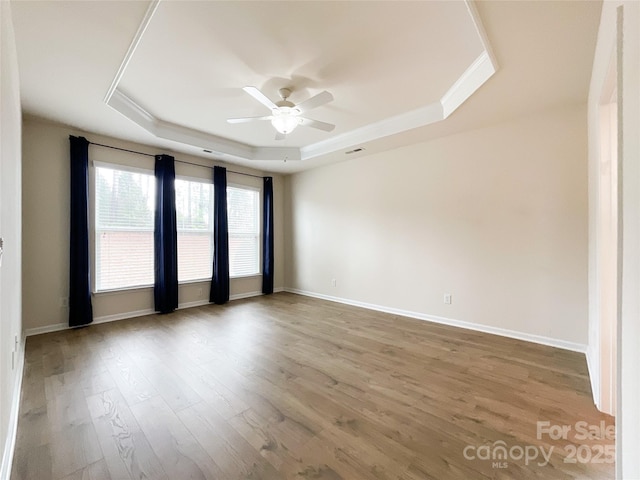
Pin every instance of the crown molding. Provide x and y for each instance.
(223, 147)
(389, 126)
(466, 85)
(471, 80)
(146, 20)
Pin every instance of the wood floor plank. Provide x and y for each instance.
(274, 441)
(132, 383)
(124, 445)
(73, 448)
(179, 453)
(169, 385)
(290, 387)
(200, 378)
(95, 471)
(236, 458)
(31, 462)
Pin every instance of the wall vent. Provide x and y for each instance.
(355, 150)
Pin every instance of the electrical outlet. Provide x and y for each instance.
(333, 282)
(447, 298)
(64, 302)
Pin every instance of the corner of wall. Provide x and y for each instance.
(11, 351)
(287, 231)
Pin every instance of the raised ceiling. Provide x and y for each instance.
(170, 73)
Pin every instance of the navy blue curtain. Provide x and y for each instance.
(220, 280)
(80, 310)
(267, 236)
(165, 237)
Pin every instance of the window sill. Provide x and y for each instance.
(115, 291)
(252, 275)
(191, 282)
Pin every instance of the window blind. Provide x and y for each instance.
(194, 214)
(243, 209)
(124, 228)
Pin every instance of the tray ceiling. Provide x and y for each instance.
(169, 73)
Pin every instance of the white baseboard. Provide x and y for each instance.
(197, 303)
(10, 442)
(240, 296)
(123, 316)
(594, 377)
(253, 294)
(56, 327)
(503, 332)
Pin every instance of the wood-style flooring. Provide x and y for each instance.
(289, 387)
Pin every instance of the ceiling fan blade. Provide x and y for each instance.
(247, 119)
(307, 122)
(261, 97)
(280, 136)
(315, 101)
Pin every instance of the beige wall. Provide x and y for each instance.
(497, 217)
(10, 231)
(46, 227)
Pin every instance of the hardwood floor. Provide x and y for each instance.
(288, 387)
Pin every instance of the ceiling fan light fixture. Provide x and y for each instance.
(285, 119)
(285, 115)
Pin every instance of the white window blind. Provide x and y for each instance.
(194, 215)
(243, 210)
(124, 208)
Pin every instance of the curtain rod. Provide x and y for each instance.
(179, 161)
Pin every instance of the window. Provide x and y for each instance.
(194, 215)
(243, 209)
(124, 223)
(124, 208)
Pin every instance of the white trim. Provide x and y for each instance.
(239, 296)
(426, 115)
(132, 48)
(123, 316)
(123, 168)
(473, 77)
(249, 275)
(10, 442)
(195, 303)
(190, 178)
(56, 327)
(468, 83)
(482, 33)
(503, 332)
(594, 376)
(130, 109)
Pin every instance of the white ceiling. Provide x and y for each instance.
(169, 73)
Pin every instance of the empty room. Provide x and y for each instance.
(319, 240)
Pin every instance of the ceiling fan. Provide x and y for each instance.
(285, 115)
